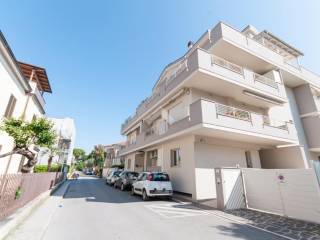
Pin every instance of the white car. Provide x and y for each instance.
(152, 184)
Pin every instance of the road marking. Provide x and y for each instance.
(176, 210)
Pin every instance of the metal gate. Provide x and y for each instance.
(290, 192)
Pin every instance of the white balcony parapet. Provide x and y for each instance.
(238, 69)
(265, 80)
(37, 93)
(216, 65)
(224, 63)
(179, 69)
(275, 123)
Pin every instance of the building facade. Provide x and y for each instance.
(22, 87)
(66, 135)
(112, 154)
(235, 99)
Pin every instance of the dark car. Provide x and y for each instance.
(125, 180)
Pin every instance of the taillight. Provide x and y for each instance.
(149, 177)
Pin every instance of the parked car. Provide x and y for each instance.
(125, 180)
(112, 177)
(152, 184)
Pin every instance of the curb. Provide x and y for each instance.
(12, 221)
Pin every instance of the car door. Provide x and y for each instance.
(138, 183)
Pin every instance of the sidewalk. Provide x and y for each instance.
(41, 217)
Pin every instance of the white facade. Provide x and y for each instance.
(236, 98)
(25, 95)
(66, 132)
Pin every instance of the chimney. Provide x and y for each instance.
(190, 44)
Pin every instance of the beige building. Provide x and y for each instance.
(236, 98)
(112, 154)
(21, 95)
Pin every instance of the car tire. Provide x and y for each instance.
(122, 188)
(132, 191)
(145, 196)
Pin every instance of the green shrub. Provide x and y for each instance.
(55, 168)
(44, 168)
(40, 168)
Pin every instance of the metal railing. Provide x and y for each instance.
(19, 189)
(265, 80)
(233, 112)
(177, 71)
(224, 63)
(148, 102)
(275, 123)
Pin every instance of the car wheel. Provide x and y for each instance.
(132, 191)
(145, 196)
(122, 187)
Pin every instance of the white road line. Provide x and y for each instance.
(173, 210)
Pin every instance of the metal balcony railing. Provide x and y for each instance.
(224, 63)
(275, 123)
(233, 112)
(265, 80)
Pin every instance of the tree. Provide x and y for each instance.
(79, 154)
(27, 135)
(98, 154)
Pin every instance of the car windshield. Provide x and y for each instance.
(117, 173)
(133, 174)
(160, 177)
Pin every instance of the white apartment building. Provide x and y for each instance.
(112, 154)
(66, 135)
(21, 95)
(236, 98)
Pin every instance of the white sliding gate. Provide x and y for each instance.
(290, 192)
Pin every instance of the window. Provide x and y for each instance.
(10, 107)
(248, 159)
(152, 157)
(175, 157)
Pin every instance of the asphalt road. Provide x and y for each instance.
(91, 210)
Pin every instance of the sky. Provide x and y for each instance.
(103, 57)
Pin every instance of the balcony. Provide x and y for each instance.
(37, 94)
(211, 73)
(260, 55)
(212, 119)
(240, 124)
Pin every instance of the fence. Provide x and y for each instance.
(16, 190)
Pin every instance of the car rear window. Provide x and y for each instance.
(160, 177)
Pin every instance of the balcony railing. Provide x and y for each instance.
(157, 94)
(233, 112)
(182, 67)
(224, 63)
(265, 80)
(275, 123)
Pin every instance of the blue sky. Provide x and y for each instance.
(103, 57)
